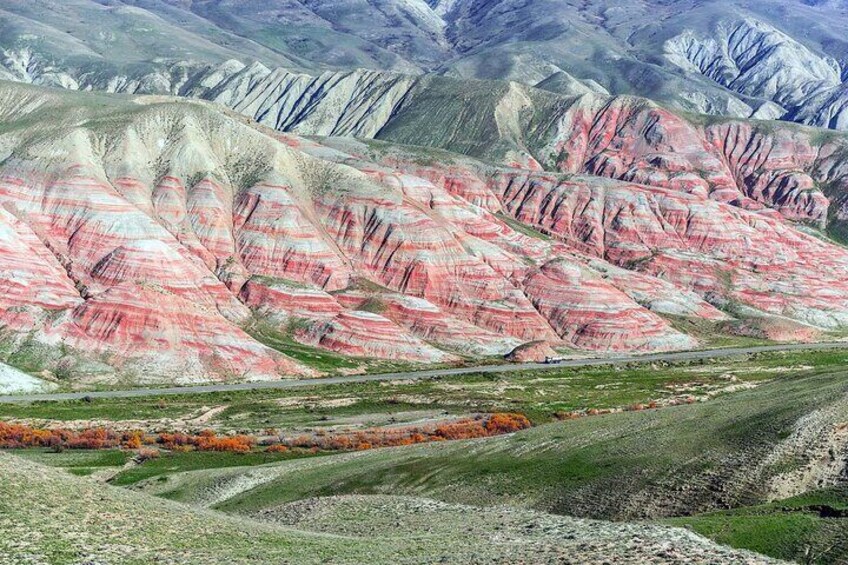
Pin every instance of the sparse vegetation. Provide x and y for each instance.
(594, 466)
(373, 304)
(809, 528)
(523, 228)
(47, 516)
(319, 359)
(537, 394)
(634, 464)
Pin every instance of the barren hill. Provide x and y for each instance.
(144, 235)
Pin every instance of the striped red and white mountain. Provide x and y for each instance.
(140, 237)
(672, 251)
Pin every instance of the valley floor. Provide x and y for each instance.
(613, 360)
(748, 450)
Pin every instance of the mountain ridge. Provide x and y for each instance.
(647, 49)
(366, 249)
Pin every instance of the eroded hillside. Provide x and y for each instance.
(783, 59)
(145, 235)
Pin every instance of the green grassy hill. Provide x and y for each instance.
(742, 449)
(650, 464)
(48, 516)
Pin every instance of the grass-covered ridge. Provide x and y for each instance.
(762, 416)
(688, 460)
(808, 528)
(48, 516)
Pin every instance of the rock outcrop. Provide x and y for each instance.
(754, 166)
(659, 246)
(757, 60)
(366, 334)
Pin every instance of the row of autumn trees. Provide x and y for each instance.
(466, 428)
(16, 436)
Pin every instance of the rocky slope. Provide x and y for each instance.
(143, 234)
(111, 525)
(759, 61)
(665, 233)
(14, 381)
(753, 165)
(140, 231)
(782, 59)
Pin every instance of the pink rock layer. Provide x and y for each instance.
(430, 323)
(364, 334)
(591, 314)
(169, 336)
(156, 268)
(273, 298)
(532, 352)
(668, 249)
(756, 167)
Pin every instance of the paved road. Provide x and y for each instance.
(415, 375)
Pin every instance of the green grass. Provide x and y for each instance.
(714, 334)
(374, 305)
(74, 458)
(48, 516)
(650, 464)
(793, 529)
(114, 410)
(311, 356)
(276, 281)
(30, 356)
(631, 465)
(538, 394)
(77, 462)
(523, 228)
(320, 359)
(170, 463)
(782, 536)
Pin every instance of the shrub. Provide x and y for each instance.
(146, 454)
(20, 436)
(506, 423)
(14, 436)
(132, 440)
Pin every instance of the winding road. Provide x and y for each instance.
(426, 374)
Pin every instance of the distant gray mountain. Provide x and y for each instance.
(781, 59)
